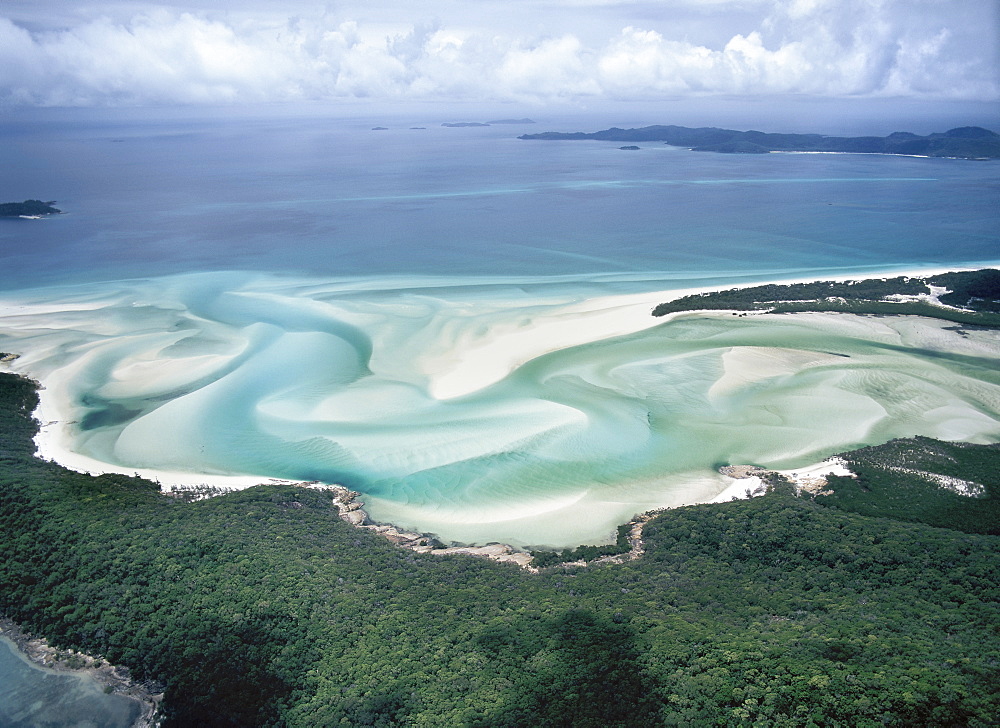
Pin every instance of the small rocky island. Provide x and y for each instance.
(28, 208)
(967, 142)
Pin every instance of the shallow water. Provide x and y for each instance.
(33, 697)
(446, 408)
(455, 322)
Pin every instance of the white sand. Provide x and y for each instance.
(55, 439)
(810, 477)
(487, 360)
(492, 357)
(833, 466)
(741, 489)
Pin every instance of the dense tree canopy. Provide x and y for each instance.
(264, 608)
(972, 297)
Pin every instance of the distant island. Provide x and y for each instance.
(967, 142)
(458, 124)
(28, 208)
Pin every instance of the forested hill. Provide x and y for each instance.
(966, 297)
(967, 142)
(263, 608)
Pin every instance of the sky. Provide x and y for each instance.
(529, 52)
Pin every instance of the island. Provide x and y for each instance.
(967, 142)
(462, 124)
(963, 297)
(28, 209)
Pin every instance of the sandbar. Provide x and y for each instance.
(477, 359)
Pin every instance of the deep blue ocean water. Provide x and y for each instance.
(331, 197)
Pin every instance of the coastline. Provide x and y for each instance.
(484, 361)
(113, 679)
(470, 368)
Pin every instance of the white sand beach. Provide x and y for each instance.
(587, 439)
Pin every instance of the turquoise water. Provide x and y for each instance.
(456, 323)
(34, 697)
(493, 413)
(152, 196)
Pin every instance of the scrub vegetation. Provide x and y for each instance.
(263, 608)
(948, 484)
(972, 297)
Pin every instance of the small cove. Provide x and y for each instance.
(32, 696)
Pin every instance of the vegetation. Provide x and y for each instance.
(948, 484)
(967, 142)
(976, 292)
(542, 559)
(27, 208)
(263, 608)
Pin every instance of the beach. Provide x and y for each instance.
(477, 413)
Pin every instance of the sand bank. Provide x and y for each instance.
(493, 356)
(748, 480)
(474, 342)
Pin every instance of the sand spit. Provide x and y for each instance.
(149, 694)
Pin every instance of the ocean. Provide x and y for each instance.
(455, 322)
(32, 696)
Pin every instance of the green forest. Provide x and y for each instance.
(263, 608)
(972, 298)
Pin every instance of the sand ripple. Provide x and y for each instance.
(481, 411)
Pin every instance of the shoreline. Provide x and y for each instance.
(748, 481)
(566, 325)
(38, 651)
(573, 324)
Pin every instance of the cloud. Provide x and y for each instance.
(819, 47)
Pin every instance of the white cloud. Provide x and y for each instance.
(552, 68)
(821, 47)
